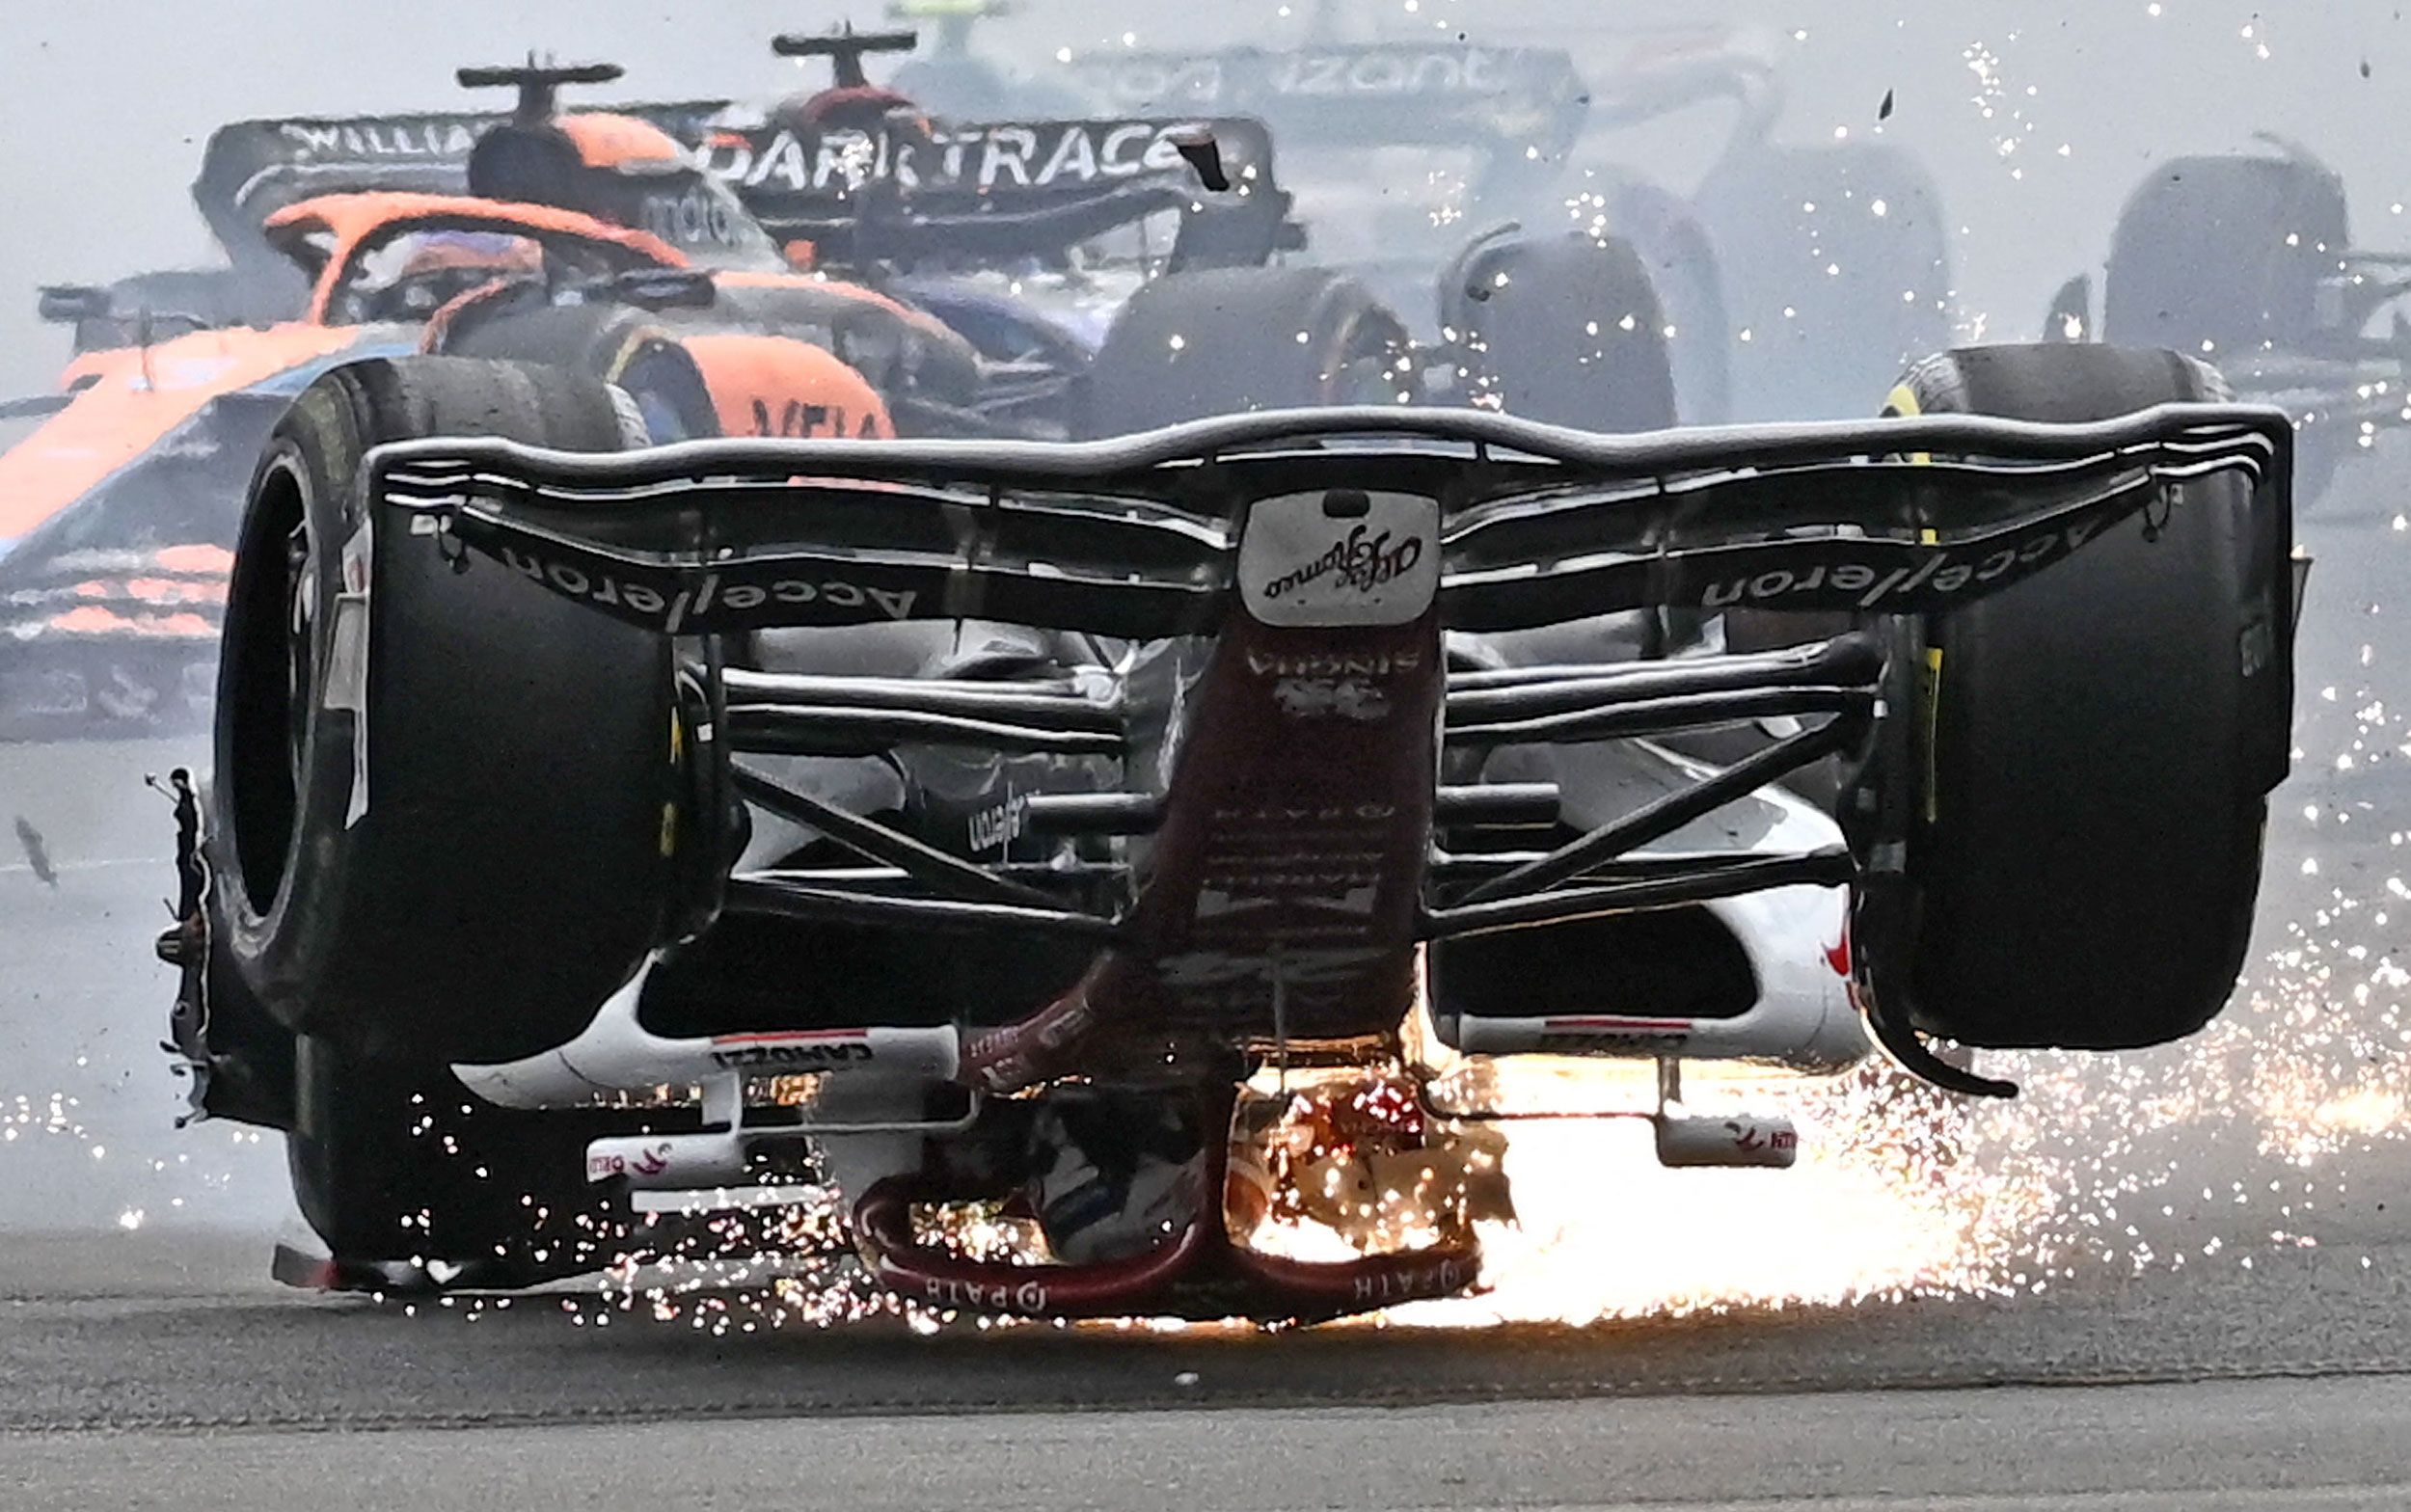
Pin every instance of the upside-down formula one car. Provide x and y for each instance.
(1156, 836)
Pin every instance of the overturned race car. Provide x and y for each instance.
(1126, 833)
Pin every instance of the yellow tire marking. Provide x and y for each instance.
(637, 340)
(1902, 405)
(1934, 730)
(670, 809)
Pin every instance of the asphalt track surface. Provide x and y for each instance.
(2174, 1281)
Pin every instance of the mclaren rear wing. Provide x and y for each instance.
(252, 169)
(1138, 536)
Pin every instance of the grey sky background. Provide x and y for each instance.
(104, 103)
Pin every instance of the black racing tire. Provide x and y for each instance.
(1681, 259)
(1820, 290)
(507, 870)
(624, 347)
(1566, 330)
(400, 1170)
(2223, 255)
(1228, 340)
(2098, 755)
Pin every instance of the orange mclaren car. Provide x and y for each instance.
(118, 511)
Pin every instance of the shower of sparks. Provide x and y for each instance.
(2196, 1154)
(2191, 1155)
(1901, 1192)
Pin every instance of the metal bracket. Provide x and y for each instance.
(720, 1155)
(1908, 1048)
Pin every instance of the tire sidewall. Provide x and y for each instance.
(2089, 852)
(1570, 331)
(278, 947)
(510, 859)
(2230, 214)
(1238, 350)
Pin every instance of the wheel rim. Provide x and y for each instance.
(268, 663)
(300, 638)
(670, 394)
